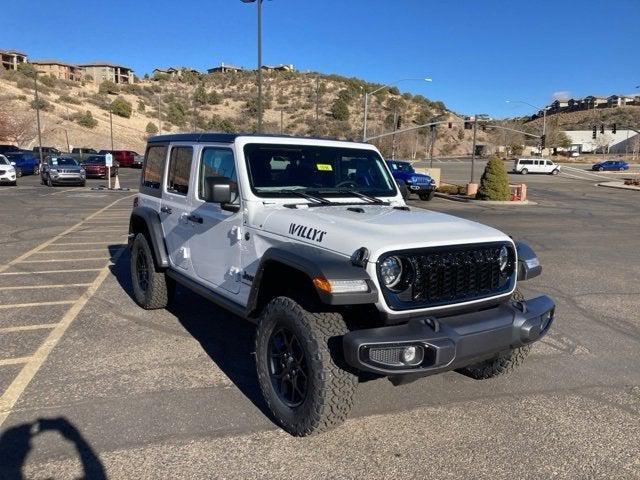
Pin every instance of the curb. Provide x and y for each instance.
(618, 185)
(452, 198)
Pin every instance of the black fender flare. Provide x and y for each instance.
(154, 228)
(315, 263)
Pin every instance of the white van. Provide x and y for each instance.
(535, 165)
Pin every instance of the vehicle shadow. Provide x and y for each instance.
(16, 443)
(228, 340)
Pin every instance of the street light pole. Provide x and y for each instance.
(473, 148)
(544, 114)
(366, 101)
(259, 2)
(35, 84)
(111, 126)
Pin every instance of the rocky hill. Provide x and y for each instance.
(78, 114)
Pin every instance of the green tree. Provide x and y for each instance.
(340, 110)
(108, 87)
(494, 184)
(200, 95)
(121, 107)
(214, 98)
(151, 128)
(141, 106)
(177, 113)
(86, 119)
(27, 69)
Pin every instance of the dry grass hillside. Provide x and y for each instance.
(628, 116)
(220, 102)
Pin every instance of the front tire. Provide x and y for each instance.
(296, 352)
(152, 289)
(18, 172)
(601, 169)
(555, 172)
(427, 196)
(524, 171)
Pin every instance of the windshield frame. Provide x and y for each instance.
(73, 160)
(282, 191)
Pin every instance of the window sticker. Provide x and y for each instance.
(324, 167)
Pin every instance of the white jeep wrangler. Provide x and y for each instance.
(311, 240)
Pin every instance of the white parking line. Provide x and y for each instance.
(26, 328)
(70, 251)
(36, 287)
(59, 236)
(84, 243)
(36, 304)
(52, 271)
(33, 364)
(14, 361)
(56, 260)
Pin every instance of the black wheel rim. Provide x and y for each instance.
(142, 271)
(288, 367)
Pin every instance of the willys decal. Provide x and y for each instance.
(309, 233)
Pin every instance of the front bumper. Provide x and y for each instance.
(452, 342)
(8, 178)
(421, 188)
(72, 179)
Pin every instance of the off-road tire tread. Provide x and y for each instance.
(160, 289)
(333, 400)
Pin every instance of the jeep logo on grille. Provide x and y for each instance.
(309, 233)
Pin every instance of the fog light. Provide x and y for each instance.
(411, 355)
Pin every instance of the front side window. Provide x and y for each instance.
(405, 167)
(179, 170)
(153, 166)
(217, 163)
(275, 170)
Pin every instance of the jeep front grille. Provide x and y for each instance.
(448, 275)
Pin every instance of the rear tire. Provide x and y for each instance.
(152, 289)
(306, 390)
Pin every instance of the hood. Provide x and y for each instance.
(407, 175)
(378, 228)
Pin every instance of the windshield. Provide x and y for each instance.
(95, 161)
(274, 169)
(63, 161)
(4, 161)
(401, 167)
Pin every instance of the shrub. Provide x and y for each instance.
(25, 84)
(27, 69)
(47, 80)
(340, 110)
(151, 128)
(494, 184)
(41, 104)
(214, 98)
(86, 119)
(177, 113)
(121, 107)
(141, 106)
(69, 99)
(108, 87)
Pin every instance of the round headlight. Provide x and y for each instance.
(503, 258)
(391, 271)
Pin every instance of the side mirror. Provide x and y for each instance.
(13, 163)
(528, 262)
(219, 190)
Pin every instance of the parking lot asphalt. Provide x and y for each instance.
(92, 385)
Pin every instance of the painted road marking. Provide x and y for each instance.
(33, 364)
(57, 237)
(52, 271)
(36, 304)
(65, 260)
(71, 251)
(42, 326)
(13, 361)
(35, 287)
(83, 243)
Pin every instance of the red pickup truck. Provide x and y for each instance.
(123, 157)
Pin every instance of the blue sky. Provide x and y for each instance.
(479, 53)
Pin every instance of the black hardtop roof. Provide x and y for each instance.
(222, 137)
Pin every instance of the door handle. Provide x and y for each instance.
(166, 210)
(195, 218)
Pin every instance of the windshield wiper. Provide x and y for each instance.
(313, 198)
(368, 198)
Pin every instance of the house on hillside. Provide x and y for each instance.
(10, 59)
(58, 69)
(278, 68)
(592, 102)
(174, 72)
(614, 101)
(559, 106)
(102, 71)
(222, 68)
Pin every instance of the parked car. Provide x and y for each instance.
(617, 165)
(418, 183)
(7, 171)
(5, 147)
(46, 151)
(95, 166)
(62, 170)
(138, 161)
(535, 165)
(81, 153)
(123, 157)
(25, 162)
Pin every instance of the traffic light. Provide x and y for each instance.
(602, 128)
(450, 125)
(399, 123)
(543, 141)
(613, 129)
(593, 135)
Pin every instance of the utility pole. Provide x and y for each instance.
(317, 103)
(159, 117)
(434, 136)
(35, 83)
(393, 138)
(111, 126)
(473, 151)
(259, 2)
(281, 122)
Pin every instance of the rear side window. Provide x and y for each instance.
(526, 162)
(153, 165)
(216, 162)
(179, 170)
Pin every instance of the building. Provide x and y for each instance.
(278, 68)
(620, 101)
(222, 68)
(174, 72)
(102, 71)
(621, 142)
(58, 69)
(10, 59)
